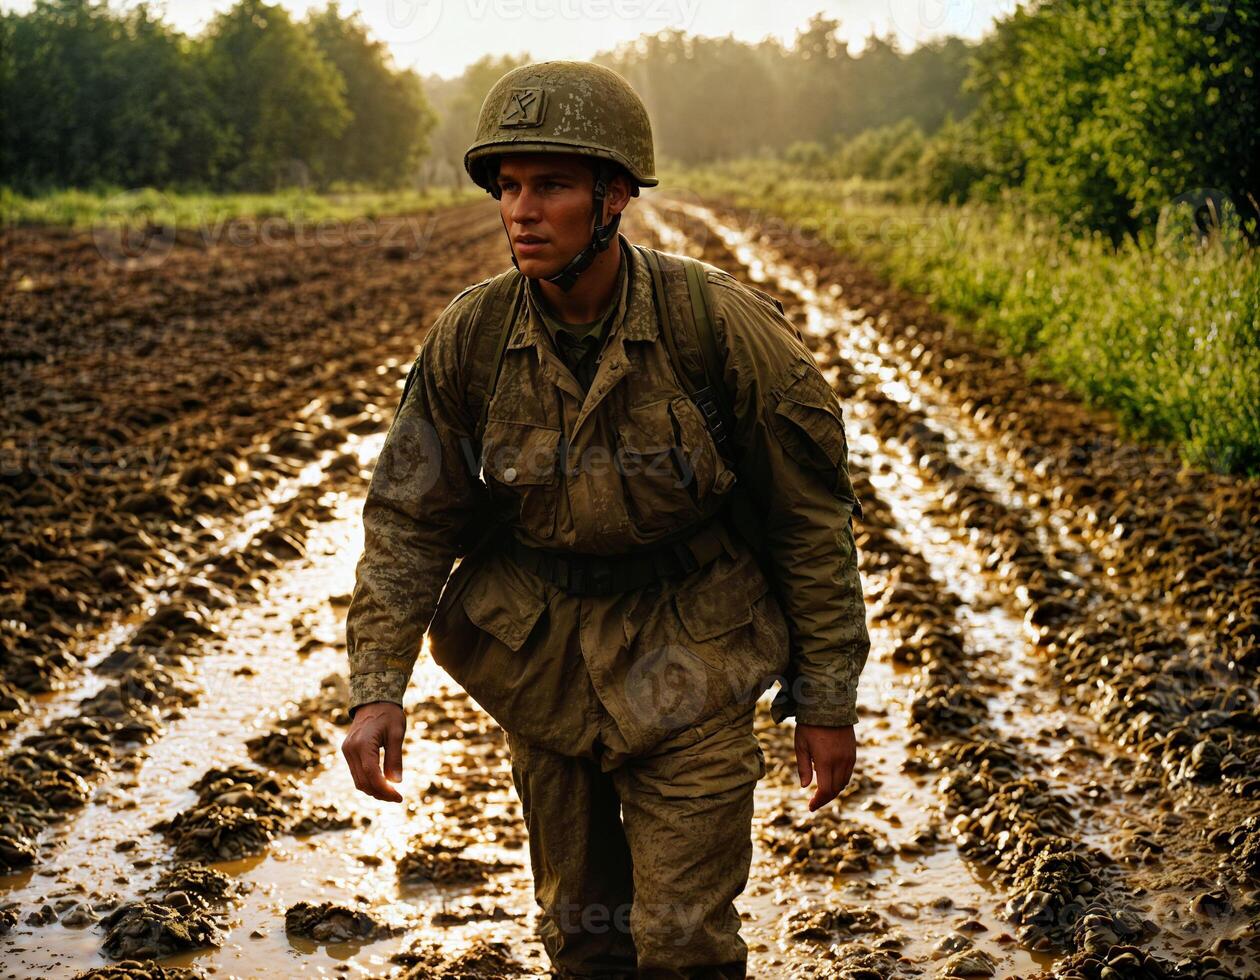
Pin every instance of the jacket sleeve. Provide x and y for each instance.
(793, 462)
(421, 495)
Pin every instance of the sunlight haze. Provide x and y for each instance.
(443, 36)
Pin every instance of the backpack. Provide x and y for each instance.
(499, 305)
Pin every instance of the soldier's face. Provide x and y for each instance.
(546, 206)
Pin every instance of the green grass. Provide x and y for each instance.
(114, 207)
(1164, 332)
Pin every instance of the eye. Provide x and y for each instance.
(554, 185)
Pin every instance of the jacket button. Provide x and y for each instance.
(509, 474)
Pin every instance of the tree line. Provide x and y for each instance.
(717, 98)
(91, 96)
(1099, 112)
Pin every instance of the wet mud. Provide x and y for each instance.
(1060, 732)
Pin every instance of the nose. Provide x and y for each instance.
(523, 208)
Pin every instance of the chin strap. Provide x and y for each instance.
(601, 236)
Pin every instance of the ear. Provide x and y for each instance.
(492, 177)
(619, 193)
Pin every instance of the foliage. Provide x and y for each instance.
(88, 96)
(457, 103)
(276, 93)
(883, 153)
(1163, 330)
(114, 206)
(93, 97)
(390, 118)
(719, 98)
(1103, 113)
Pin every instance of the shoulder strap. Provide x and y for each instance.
(492, 321)
(707, 390)
(714, 367)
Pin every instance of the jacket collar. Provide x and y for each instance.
(634, 319)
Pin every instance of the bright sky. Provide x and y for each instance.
(443, 36)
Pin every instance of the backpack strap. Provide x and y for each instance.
(492, 320)
(489, 327)
(713, 398)
(708, 388)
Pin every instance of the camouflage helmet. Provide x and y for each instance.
(564, 107)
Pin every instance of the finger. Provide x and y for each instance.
(363, 753)
(369, 758)
(803, 764)
(373, 778)
(826, 790)
(393, 755)
(350, 753)
(844, 771)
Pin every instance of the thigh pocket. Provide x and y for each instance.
(716, 756)
(503, 604)
(719, 602)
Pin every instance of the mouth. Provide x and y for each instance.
(529, 240)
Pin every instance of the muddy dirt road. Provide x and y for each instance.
(1059, 754)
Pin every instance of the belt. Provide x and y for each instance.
(589, 575)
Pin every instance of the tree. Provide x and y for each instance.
(390, 117)
(282, 100)
(1102, 113)
(92, 97)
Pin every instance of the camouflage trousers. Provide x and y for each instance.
(637, 860)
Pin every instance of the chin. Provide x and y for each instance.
(536, 267)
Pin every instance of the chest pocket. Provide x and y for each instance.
(668, 465)
(521, 459)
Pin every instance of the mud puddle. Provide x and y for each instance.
(903, 877)
(1023, 707)
(267, 666)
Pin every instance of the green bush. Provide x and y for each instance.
(1163, 330)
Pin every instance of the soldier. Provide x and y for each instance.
(619, 619)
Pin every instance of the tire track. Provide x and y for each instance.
(963, 504)
(124, 506)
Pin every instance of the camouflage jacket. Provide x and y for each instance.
(624, 465)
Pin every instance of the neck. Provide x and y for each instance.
(591, 293)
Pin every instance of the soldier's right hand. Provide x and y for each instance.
(377, 725)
